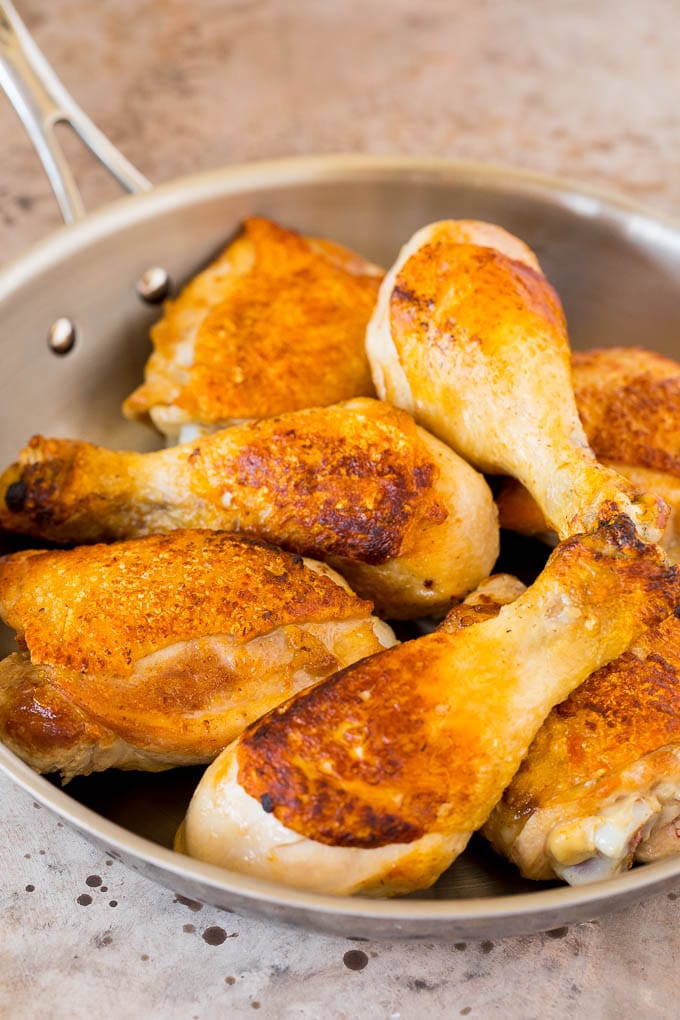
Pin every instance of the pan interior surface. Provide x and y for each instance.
(617, 271)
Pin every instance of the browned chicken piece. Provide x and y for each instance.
(470, 337)
(275, 324)
(373, 780)
(358, 485)
(484, 603)
(629, 402)
(600, 787)
(158, 651)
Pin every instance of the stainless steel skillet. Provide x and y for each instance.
(616, 267)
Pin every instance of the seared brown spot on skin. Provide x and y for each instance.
(103, 607)
(267, 803)
(488, 290)
(339, 486)
(15, 496)
(40, 483)
(67, 489)
(401, 293)
(306, 759)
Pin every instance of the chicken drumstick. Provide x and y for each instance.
(470, 337)
(358, 485)
(373, 780)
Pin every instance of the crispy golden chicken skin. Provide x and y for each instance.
(629, 402)
(373, 780)
(157, 651)
(275, 324)
(600, 786)
(359, 485)
(469, 336)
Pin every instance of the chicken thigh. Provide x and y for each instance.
(359, 485)
(373, 780)
(158, 651)
(470, 337)
(275, 324)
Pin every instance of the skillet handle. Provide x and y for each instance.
(41, 101)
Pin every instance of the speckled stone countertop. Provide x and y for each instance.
(589, 90)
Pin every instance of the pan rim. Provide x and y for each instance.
(195, 188)
(597, 896)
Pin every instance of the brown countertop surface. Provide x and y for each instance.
(589, 91)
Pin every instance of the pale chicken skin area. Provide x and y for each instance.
(179, 706)
(332, 792)
(358, 485)
(629, 817)
(470, 338)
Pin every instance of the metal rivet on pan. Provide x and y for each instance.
(61, 336)
(153, 285)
